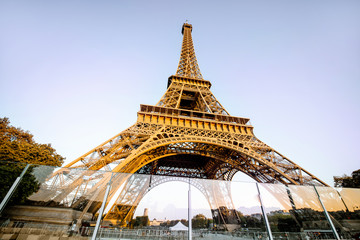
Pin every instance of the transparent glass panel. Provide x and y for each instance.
(201, 212)
(146, 207)
(294, 212)
(337, 210)
(245, 198)
(59, 202)
(351, 199)
(228, 210)
(308, 211)
(277, 207)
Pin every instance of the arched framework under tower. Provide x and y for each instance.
(217, 193)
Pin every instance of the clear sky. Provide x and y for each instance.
(74, 73)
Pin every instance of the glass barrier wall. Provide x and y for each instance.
(55, 201)
(82, 204)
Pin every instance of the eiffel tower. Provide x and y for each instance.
(189, 134)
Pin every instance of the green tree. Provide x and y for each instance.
(141, 221)
(287, 223)
(352, 181)
(185, 222)
(252, 222)
(17, 148)
(199, 221)
(17, 145)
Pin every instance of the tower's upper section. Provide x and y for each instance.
(187, 90)
(188, 66)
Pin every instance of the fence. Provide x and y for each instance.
(39, 200)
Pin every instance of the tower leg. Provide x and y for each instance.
(128, 199)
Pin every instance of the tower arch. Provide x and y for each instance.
(217, 194)
(238, 156)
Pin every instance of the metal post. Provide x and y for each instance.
(13, 188)
(327, 216)
(102, 208)
(189, 212)
(267, 225)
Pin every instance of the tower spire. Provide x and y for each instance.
(188, 66)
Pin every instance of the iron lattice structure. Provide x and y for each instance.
(188, 133)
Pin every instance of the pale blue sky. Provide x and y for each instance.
(74, 73)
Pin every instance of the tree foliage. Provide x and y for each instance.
(199, 221)
(141, 221)
(352, 181)
(17, 145)
(8, 174)
(17, 148)
(250, 221)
